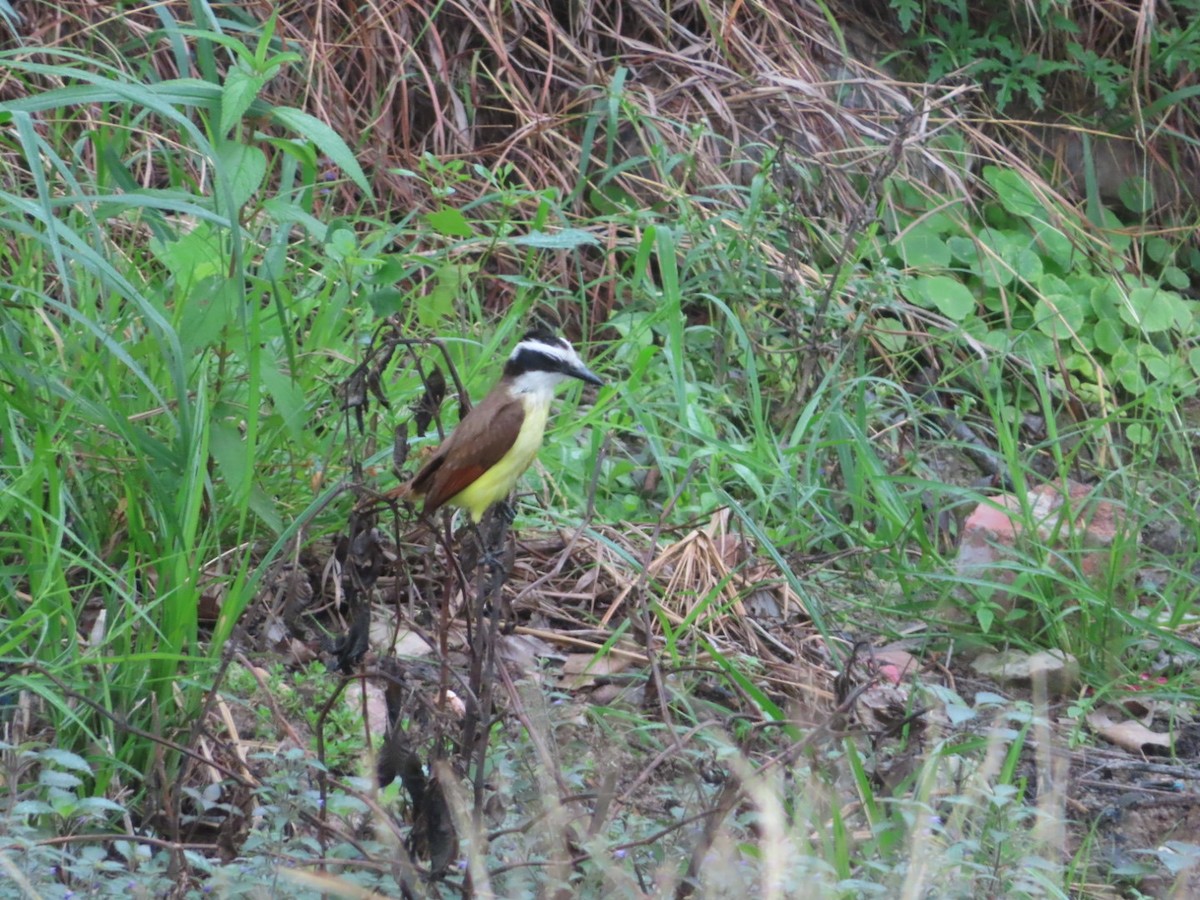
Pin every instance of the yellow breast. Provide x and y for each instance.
(498, 482)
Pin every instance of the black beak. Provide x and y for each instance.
(583, 373)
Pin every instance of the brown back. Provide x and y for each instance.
(477, 444)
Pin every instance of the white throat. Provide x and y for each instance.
(540, 385)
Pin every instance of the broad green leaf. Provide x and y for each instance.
(948, 295)
(1149, 309)
(228, 449)
(1158, 249)
(963, 249)
(1128, 372)
(286, 396)
(449, 222)
(998, 339)
(1115, 231)
(241, 169)
(1028, 265)
(1176, 278)
(1077, 362)
(1137, 194)
(65, 759)
(96, 806)
(438, 304)
(341, 244)
(1153, 360)
(264, 508)
(238, 92)
(1052, 284)
(921, 248)
(941, 224)
(1109, 336)
(1036, 347)
(891, 334)
(1138, 433)
(387, 301)
(1106, 297)
(390, 268)
(995, 262)
(63, 780)
(1185, 312)
(1059, 316)
(191, 257)
(1013, 191)
(31, 808)
(206, 313)
(1054, 245)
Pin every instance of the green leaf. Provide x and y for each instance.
(1158, 249)
(948, 295)
(1148, 309)
(921, 248)
(95, 806)
(566, 239)
(65, 759)
(63, 780)
(1054, 246)
(1114, 229)
(995, 259)
(1036, 347)
(264, 508)
(239, 91)
(286, 396)
(1028, 265)
(32, 808)
(1155, 363)
(891, 334)
(228, 449)
(438, 304)
(1014, 192)
(326, 139)
(1109, 336)
(963, 249)
(341, 244)
(1137, 194)
(1138, 433)
(207, 313)
(1128, 372)
(241, 169)
(1059, 316)
(191, 257)
(1176, 278)
(449, 222)
(387, 301)
(1106, 297)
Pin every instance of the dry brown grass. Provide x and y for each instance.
(526, 86)
(650, 108)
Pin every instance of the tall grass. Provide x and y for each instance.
(148, 364)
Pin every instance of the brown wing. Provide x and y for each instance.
(477, 444)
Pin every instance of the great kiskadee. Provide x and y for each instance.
(493, 445)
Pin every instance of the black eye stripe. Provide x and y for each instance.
(529, 359)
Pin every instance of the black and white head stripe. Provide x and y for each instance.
(542, 351)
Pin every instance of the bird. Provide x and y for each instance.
(479, 463)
